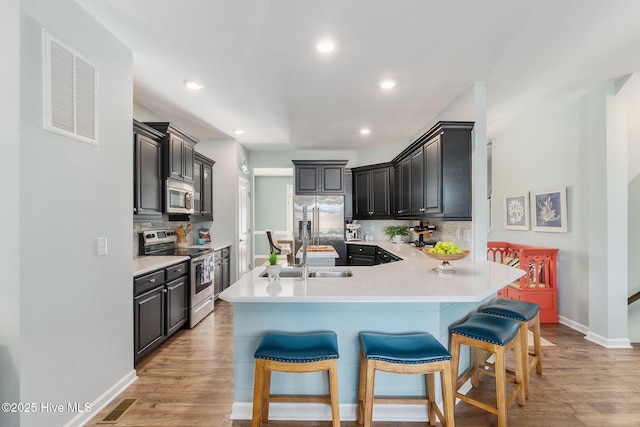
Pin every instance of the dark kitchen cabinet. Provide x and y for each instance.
(385, 257)
(319, 177)
(177, 313)
(372, 191)
(368, 255)
(160, 307)
(147, 172)
(221, 280)
(178, 151)
(417, 182)
(433, 175)
(361, 255)
(203, 188)
(226, 257)
(403, 187)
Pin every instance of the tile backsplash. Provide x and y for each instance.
(164, 224)
(458, 232)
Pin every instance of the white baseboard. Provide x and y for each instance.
(574, 325)
(103, 400)
(608, 342)
(595, 338)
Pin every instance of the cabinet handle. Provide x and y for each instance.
(152, 280)
(178, 270)
(135, 210)
(165, 290)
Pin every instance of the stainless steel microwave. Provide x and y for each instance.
(178, 197)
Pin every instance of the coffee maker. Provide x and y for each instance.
(353, 231)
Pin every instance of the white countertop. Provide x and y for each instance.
(146, 264)
(414, 279)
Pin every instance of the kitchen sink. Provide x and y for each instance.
(331, 273)
(297, 272)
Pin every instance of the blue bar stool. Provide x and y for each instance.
(528, 314)
(485, 332)
(419, 353)
(294, 352)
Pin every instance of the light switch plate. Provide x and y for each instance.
(102, 246)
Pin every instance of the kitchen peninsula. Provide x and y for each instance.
(405, 296)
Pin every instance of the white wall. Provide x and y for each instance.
(541, 150)
(76, 320)
(10, 211)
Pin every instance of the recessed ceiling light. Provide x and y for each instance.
(387, 84)
(326, 46)
(365, 131)
(193, 85)
(238, 131)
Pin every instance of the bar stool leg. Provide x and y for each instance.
(430, 384)
(333, 392)
(537, 347)
(266, 396)
(368, 394)
(448, 399)
(361, 384)
(258, 392)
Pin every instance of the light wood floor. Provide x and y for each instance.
(189, 382)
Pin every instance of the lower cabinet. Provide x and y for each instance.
(368, 255)
(159, 307)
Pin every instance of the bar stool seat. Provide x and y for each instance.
(419, 353)
(485, 332)
(528, 314)
(296, 353)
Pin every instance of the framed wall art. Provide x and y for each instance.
(549, 210)
(516, 211)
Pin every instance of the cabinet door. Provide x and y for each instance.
(404, 190)
(226, 278)
(433, 177)
(361, 185)
(188, 152)
(417, 182)
(218, 278)
(379, 192)
(174, 161)
(366, 260)
(206, 196)
(197, 187)
(176, 304)
(332, 178)
(148, 320)
(307, 179)
(147, 176)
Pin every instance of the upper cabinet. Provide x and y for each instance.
(372, 191)
(147, 172)
(203, 188)
(319, 177)
(179, 151)
(434, 179)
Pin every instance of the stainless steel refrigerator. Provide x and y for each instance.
(325, 215)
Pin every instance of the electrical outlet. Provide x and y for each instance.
(101, 246)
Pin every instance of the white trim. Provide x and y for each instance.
(272, 171)
(573, 325)
(103, 400)
(608, 342)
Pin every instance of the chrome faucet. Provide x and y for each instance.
(305, 242)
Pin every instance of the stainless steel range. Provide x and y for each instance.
(201, 295)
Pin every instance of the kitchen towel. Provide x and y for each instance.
(206, 274)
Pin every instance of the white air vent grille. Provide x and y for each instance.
(71, 92)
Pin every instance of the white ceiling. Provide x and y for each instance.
(262, 73)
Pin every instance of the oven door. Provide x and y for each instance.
(178, 197)
(202, 277)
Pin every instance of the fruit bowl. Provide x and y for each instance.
(445, 258)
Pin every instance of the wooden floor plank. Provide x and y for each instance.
(189, 382)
